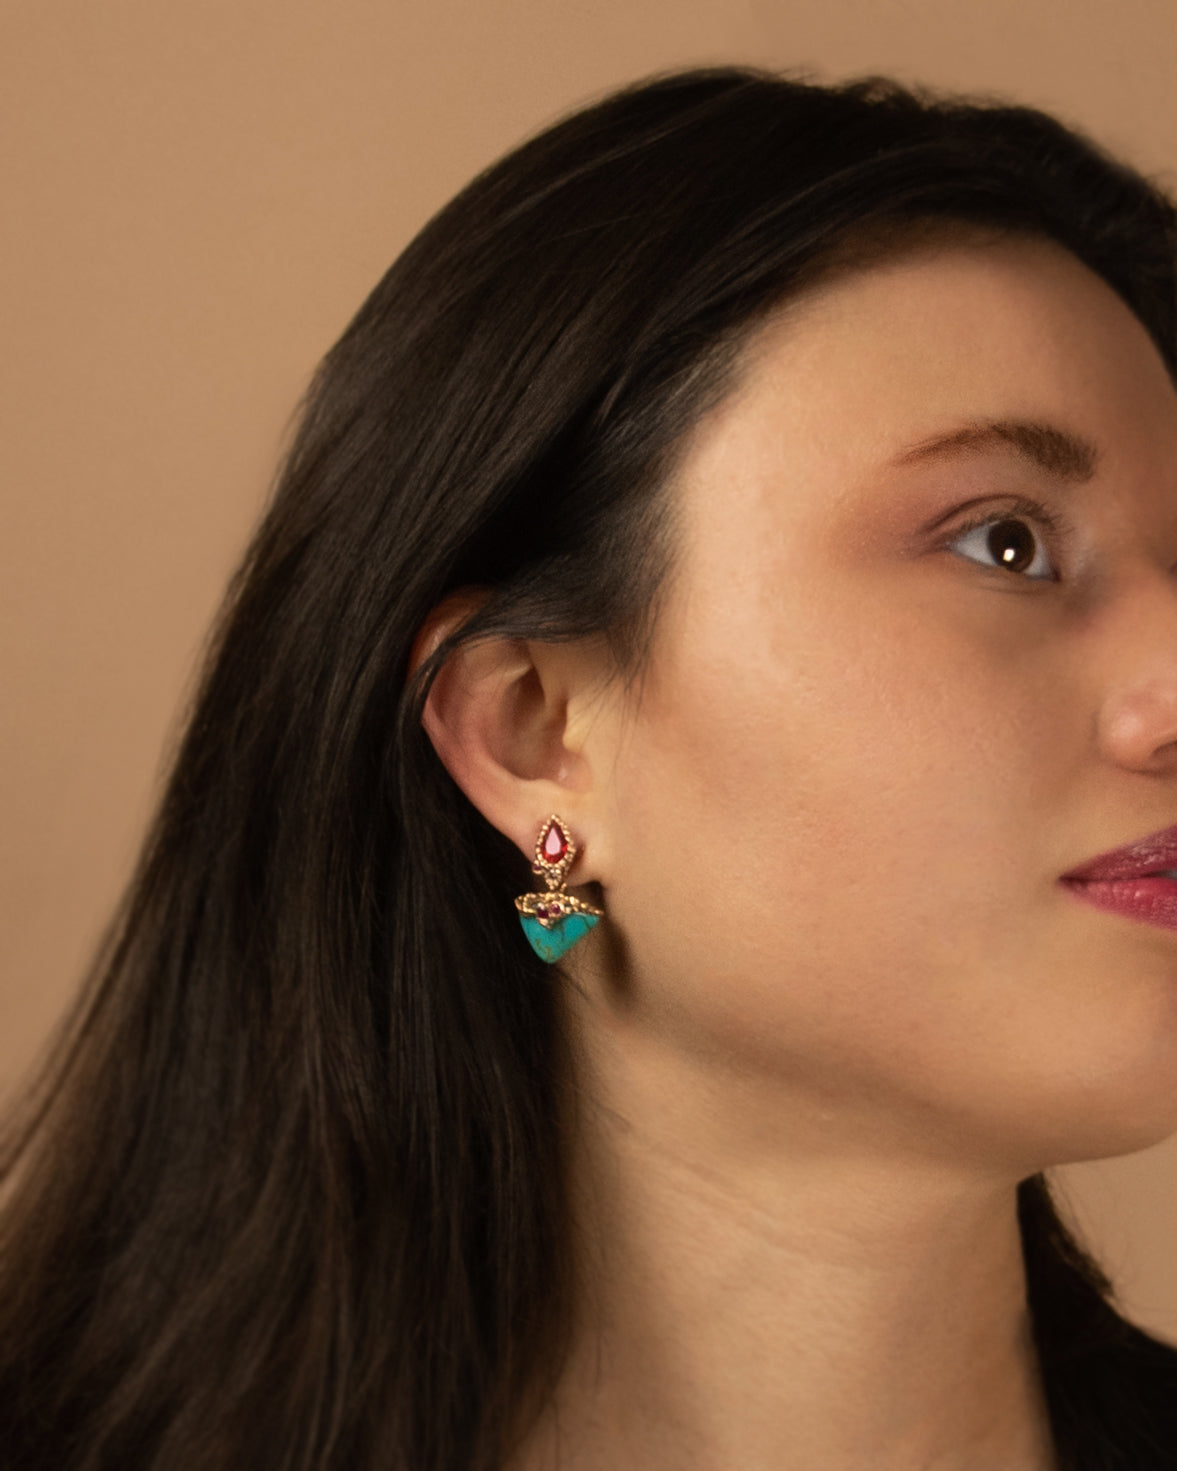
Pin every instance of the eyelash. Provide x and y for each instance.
(1020, 508)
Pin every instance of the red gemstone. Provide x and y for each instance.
(542, 911)
(553, 846)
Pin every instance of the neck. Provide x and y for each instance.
(755, 1297)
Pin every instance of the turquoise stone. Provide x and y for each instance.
(550, 944)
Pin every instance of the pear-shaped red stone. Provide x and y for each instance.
(554, 845)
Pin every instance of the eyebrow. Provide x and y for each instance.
(1060, 454)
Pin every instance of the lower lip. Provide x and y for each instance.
(1151, 900)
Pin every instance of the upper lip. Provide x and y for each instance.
(1147, 855)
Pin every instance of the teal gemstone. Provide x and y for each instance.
(550, 944)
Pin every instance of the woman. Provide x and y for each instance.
(622, 940)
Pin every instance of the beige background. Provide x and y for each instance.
(196, 195)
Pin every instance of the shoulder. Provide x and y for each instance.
(1118, 1403)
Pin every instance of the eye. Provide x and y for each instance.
(1012, 542)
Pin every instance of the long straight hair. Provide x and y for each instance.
(291, 1192)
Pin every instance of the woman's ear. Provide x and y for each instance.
(503, 718)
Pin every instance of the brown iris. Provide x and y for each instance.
(1012, 544)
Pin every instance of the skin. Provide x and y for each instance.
(841, 1005)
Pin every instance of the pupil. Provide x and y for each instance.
(1012, 544)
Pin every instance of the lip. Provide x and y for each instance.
(1125, 880)
(1133, 860)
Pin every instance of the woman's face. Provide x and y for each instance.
(867, 748)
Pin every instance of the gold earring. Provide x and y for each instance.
(555, 921)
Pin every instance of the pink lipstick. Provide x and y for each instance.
(1138, 881)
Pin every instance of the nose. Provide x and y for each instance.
(1137, 722)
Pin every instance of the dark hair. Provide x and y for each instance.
(291, 1192)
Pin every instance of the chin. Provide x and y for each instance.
(1096, 1078)
(1108, 1115)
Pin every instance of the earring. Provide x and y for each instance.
(553, 922)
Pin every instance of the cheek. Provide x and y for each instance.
(836, 864)
(823, 806)
(854, 772)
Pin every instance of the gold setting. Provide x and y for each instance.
(556, 904)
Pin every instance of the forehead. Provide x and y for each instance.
(845, 377)
(925, 329)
